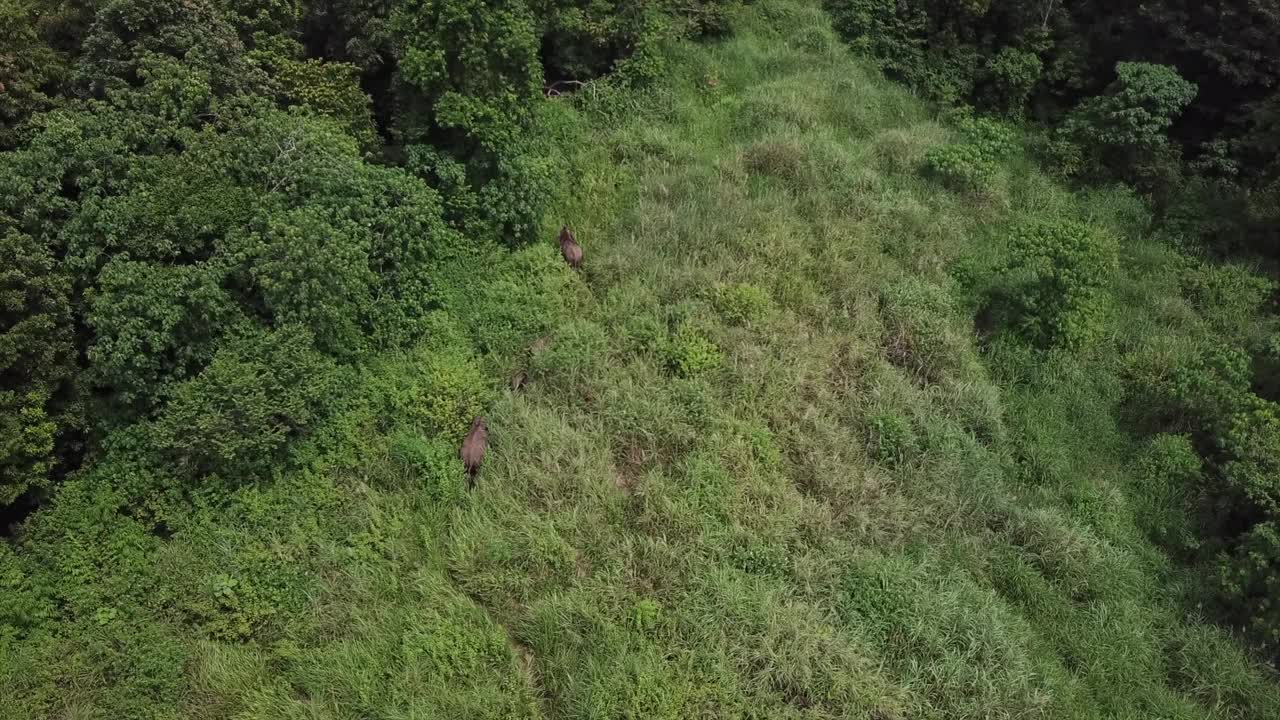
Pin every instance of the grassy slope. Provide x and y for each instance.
(760, 468)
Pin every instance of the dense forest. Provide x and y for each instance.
(1180, 100)
(923, 360)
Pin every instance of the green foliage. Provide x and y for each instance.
(1106, 81)
(1238, 433)
(646, 615)
(331, 89)
(36, 365)
(1227, 295)
(1251, 444)
(993, 138)
(433, 464)
(437, 393)
(234, 418)
(972, 165)
(1203, 389)
(1008, 80)
(1167, 482)
(1249, 578)
(898, 36)
(741, 303)
(1059, 273)
(272, 220)
(1136, 110)
(283, 336)
(963, 167)
(690, 353)
(1125, 129)
(576, 348)
(32, 68)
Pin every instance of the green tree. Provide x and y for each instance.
(234, 418)
(36, 364)
(1126, 128)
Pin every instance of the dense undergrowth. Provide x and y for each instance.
(853, 412)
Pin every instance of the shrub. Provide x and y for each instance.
(903, 38)
(961, 167)
(1251, 445)
(435, 392)
(993, 139)
(1249, 582)
(1060, 272)
(815, 39)
(741, 303)
(1198, 393)
(645, 615)
(36, 363)
(433, 464)
(689, 353)
(1227, 295)
(1136, 109)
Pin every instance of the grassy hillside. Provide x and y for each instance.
(766, 463)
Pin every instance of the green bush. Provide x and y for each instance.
(1227, 295)
(690, 353)
(1250, 443)
(741, 303)
(904, 38)
(994, 139)
(646, 615)
(433, 465)
(434, 392)
(331, 89)
(1125, 130)
(972, 164)
(1249, 582)
(1136, 110)
(1059, 273)
(36, 364)
(1198, 393)
(962, 167)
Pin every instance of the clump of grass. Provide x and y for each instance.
(741, 303)
(781, 159)
(920, 329)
